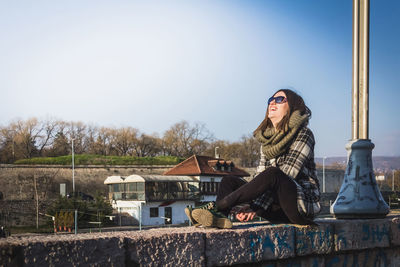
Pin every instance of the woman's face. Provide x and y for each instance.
(276, 111)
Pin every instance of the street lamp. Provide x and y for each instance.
(323, 175)
(359, 196)
(393, 180)
(73, 168)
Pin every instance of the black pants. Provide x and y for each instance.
(234, 190)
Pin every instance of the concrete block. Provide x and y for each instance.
(361, 234)
(394, 256)
(339, 260)
(370, 257)
(313, 261)
(10, 255)
(316, 239)
(153, 248)
(69, 252)
(395, 231)
(302, 262)
(227, 247)
(373, 257)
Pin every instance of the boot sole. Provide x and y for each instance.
(206, 218)
(189, 215)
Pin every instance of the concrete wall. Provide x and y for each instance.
(17, 186)
(374, 242)
(21, 212)
(16, 181)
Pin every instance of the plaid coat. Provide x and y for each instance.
(297, 163)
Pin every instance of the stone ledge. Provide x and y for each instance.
(331, 241)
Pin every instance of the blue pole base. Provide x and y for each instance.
(359, 196)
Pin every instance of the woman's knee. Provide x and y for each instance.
(232, 180)
(270, 173)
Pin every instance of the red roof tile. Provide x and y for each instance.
(203, 165)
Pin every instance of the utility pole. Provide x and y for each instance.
(36, 201)
(323, 175)
(393, 180)
(73, 169)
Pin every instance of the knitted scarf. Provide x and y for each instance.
(274, 143)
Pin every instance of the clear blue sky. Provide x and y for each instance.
(150, 64)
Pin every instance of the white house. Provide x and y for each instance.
(155, 199)
(209, 171)
(162, 199)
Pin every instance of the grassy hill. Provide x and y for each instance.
(101, 160)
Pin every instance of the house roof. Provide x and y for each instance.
(204, 165)
(148, 178)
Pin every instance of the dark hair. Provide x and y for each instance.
(295, 102)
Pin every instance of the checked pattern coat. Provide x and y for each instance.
(297, 163)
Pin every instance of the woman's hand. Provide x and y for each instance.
(244, 213)
(245, 216)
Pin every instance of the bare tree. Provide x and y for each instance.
(92, 133)
(27, 134)
(147, 145)
(48, 132)
(7, 144)
(244, 153)
(184, 140)
(103, 144)
(77, 131)
(124, 140)
(250, 152)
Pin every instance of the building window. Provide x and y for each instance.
(117, 188)
(172, 190)
(132, 187)
(153, 212)
(210, 188)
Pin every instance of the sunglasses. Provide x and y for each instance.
(278, 100)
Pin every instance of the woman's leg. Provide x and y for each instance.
(274, 216)
(229, 184)
(274, 180)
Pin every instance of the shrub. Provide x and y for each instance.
(63, 209)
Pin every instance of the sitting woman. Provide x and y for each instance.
(287, 190)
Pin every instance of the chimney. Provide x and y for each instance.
(216, 152)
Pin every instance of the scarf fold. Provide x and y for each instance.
(275, 143)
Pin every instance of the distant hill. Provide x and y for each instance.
(380, 163)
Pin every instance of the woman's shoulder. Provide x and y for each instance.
(306, 130)
(305, 133)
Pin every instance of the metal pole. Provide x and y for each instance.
(364, 65)
(140, 217)
(360, 115)
(120, 223)
(37, 202)
(73, 168)
(355, 104)
(393, 180)
(13, 149)
(323, 174)
(76, 221)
